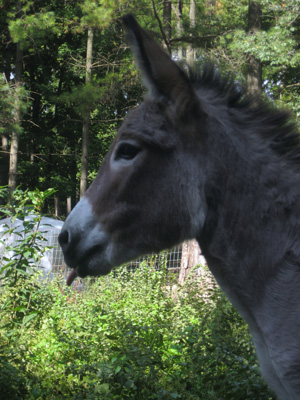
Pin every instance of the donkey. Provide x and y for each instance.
(199, 159)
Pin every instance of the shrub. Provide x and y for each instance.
(124, 338)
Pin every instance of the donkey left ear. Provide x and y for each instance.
(162, 76)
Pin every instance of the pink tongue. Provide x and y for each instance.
(71, 277)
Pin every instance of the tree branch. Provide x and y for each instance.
(161, 28)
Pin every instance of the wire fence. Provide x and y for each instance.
(169, 259)
(53, 264)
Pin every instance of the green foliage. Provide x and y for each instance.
(32, 28)
(99, 13)
(275, 45)
(125, 337)
(82, 98)
(18, 260)
(12, 383)
(23, 295)
(12, 96)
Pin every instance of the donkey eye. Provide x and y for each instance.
(127, 151)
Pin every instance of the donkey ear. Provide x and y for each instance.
(161, 75)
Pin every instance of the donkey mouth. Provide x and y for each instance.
(92, 264)
(71, 277)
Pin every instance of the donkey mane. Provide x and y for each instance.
(262, 117)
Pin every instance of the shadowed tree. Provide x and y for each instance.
(190, 51)
(86, 116)
(14, 144)
(254, 76)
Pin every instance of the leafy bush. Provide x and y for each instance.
(19, 260)
(125, 337)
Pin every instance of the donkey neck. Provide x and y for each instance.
(252, 198)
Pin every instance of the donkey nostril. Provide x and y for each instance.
(66, 241)
(63, 238)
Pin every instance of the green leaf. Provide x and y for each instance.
(20, 308)
(29, 317)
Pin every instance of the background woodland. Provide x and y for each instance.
(68, 77)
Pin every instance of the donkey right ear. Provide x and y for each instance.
(161, 75)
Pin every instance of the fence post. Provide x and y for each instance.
(191, 256)
(69, 205)
(56, 207)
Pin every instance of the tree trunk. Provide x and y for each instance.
(167, 18)
(190, 51)
(14, 145)
(4, 161)
(254, 77)
(56, 207)
(178, 13)
(69, 205)
(191, 256)
(86, 117)
(84, 154)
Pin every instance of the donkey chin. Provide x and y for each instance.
(94, 265)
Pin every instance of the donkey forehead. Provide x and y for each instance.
(149, 123)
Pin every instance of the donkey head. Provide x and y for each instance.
(146, 196)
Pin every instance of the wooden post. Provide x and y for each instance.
(191, 256)
(56, 207)
(69, 205)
